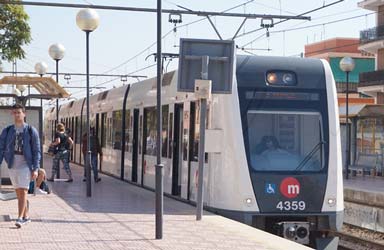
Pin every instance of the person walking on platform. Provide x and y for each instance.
(20, 148)
(95, 149)
(61, 141)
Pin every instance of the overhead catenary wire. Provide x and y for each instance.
(285, 30)
(170, 32)
(310, 26)
(304, 13)
(163, 37)
(108, 81)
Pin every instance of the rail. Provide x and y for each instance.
(355, 238)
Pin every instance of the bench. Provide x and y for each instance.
(364, 164)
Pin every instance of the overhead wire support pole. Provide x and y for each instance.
(159, 166)
(238, 30)
(168, 11)
(214, 27)
(203, 114)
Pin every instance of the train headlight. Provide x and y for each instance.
(288, 78)
(271, 78)
(302, 232)
(290, 232)
(248, 202)
(281, 78)
(331, 202)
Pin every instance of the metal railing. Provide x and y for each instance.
(371, 78)
(372, 34)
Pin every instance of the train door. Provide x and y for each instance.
(77, 140)
(73, 138)
(102, 133)
(53, 122)
(145, 134)
(177, 150)
(191, 143)
(97, 133)
(135, 143)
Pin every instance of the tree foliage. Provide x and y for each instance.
(14, 32)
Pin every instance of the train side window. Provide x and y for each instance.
(170, 142)
(151, 132)
(164, 148)
(103, 130)
(140, 132)
(128, 131)
(196, 139)
(53, 130)
(78, 130)
(109, 133)
(185, 133)
(117, 118)
(83, 126)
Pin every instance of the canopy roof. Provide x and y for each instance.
(46, 86)
(362, 111)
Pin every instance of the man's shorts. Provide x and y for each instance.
(20, 177)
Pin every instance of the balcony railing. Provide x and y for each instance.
(372, 34)
(371, 78)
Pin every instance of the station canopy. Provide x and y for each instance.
(362, 111)
(46, 86)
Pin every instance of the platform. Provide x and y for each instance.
(364, 202)
(121, 216)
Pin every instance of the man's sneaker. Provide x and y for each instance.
(19, 222)
(69, 180)
(39, 191)
(98, 179)
(51, 179)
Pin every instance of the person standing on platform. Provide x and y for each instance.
(95, 149)
(20, 148)
(61, 141)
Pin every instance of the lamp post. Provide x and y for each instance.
(56, 52)
(41, 69)
(347, 64)
(87, 20)
(21, 88)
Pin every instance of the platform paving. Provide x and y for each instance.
(121, 216)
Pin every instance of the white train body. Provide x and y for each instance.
(236, 183)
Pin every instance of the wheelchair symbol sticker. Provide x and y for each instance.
(270, 188)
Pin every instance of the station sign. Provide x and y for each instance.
(221, 55)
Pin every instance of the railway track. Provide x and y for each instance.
(355, 238)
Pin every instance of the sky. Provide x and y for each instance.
(124, 41)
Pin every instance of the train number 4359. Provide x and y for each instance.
(290, 205)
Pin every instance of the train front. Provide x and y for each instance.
(291, 135)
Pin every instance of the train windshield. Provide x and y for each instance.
(285, 141)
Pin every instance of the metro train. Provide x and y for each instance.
(273, 152)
